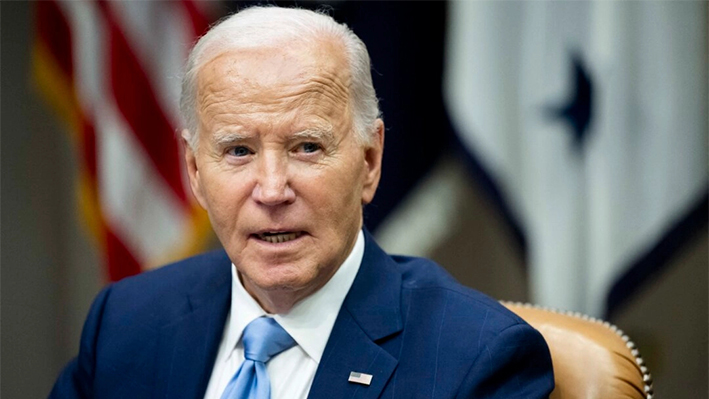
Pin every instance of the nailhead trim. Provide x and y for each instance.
(647, 378)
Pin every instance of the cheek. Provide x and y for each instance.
(338, 196)
(225, 199)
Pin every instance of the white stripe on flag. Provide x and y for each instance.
(89, 44)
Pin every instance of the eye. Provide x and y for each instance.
(309, 148)
(239, 151)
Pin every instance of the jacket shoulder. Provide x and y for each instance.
(475, 346)
(428, 280)
(178, 276)
(160, 293)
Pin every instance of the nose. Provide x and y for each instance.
(272, 185)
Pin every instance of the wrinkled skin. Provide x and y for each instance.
(277, 154)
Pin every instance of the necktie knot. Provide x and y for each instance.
(264, 338)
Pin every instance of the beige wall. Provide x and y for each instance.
(50, 271)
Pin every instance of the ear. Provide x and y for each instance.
(373, 163)
(192, 169)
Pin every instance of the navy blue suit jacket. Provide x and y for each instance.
(405, 321)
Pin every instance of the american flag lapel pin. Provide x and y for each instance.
(360, 378)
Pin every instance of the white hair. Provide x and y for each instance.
(263, 26)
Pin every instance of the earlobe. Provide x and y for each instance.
(373, 163)
(192, 169)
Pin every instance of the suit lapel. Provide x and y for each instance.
(370, 312)
(188, 346)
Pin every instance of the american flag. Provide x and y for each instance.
(111, 71)
(360, 378)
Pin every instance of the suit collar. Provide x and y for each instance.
(371, 312)
(374, 299)
(188, 346)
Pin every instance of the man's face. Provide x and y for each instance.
(278, 167)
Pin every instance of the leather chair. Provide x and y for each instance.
(592, 358)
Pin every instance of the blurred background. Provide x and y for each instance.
(550, 152)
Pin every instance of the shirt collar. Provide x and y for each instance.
(311, 320)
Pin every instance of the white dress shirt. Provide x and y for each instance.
(309, 323)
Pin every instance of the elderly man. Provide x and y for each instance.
(283, 148)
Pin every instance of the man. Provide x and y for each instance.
(283, 148)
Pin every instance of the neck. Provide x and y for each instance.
(272, 301)
(277, 300)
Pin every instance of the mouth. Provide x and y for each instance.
(277, 237)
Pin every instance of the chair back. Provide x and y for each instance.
(592, 359)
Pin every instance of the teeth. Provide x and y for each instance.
(277, 238)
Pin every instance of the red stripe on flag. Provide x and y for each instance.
(53, 29)
(121, 262)
(139, 106)
(200, 23)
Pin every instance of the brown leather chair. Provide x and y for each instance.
(592, 358)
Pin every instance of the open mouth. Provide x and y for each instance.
(277, 237)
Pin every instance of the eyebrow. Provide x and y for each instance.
(325, 134)
(225, 139)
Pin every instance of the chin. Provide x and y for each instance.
(283, 278)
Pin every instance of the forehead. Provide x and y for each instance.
(295, 72)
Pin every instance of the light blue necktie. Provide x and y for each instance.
(263, 338)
